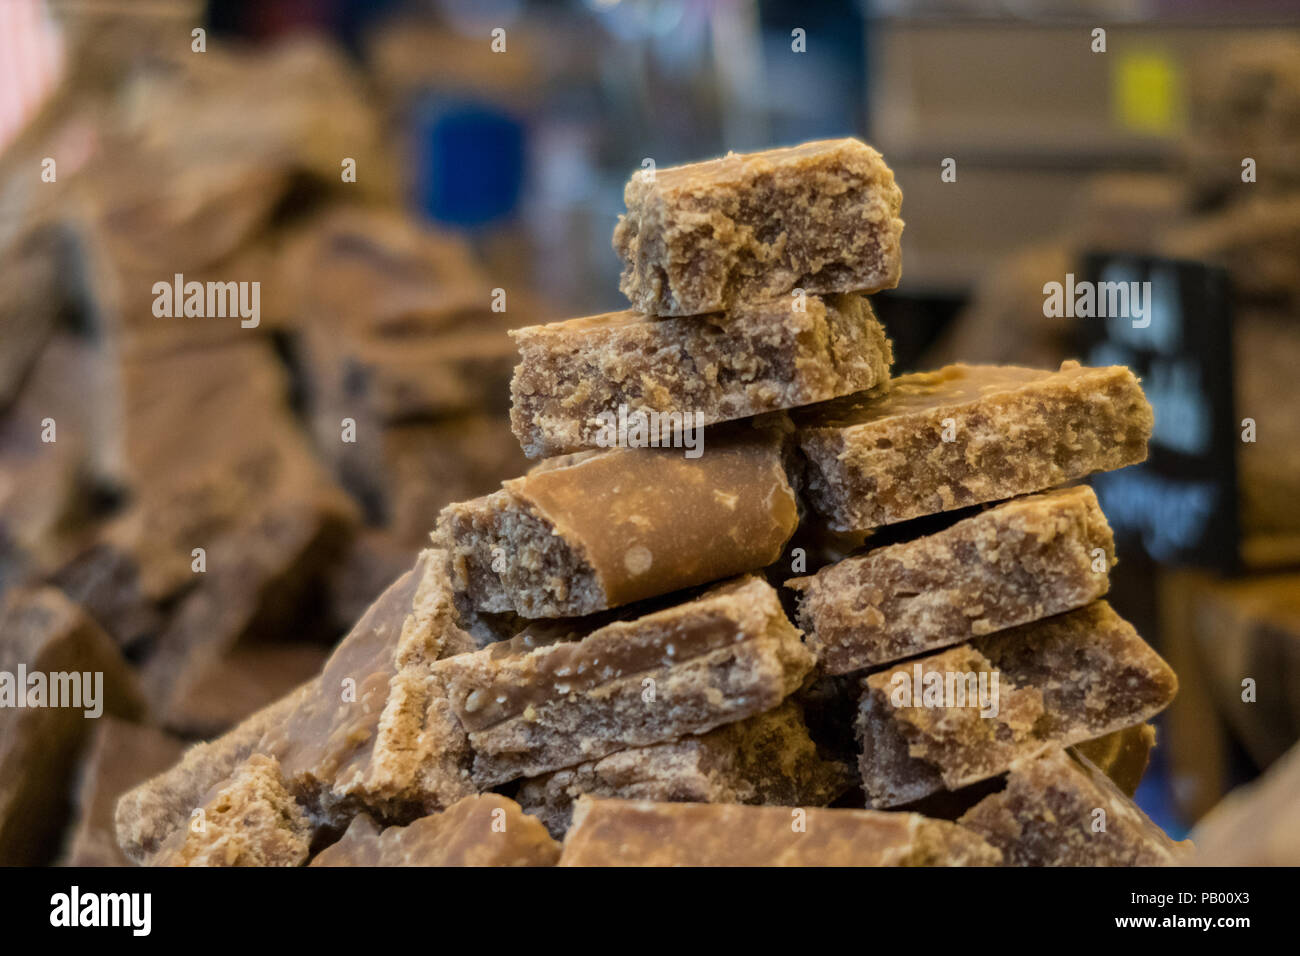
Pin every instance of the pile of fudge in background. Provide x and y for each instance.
(180, 508)
(596, 663)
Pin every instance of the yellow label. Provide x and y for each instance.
(1147, 92)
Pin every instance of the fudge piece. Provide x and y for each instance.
(120, 756)
(964, 714)
(1257, 824)
(250, 819)
(538, 702)
(611, 528)
(1061, 810)
(875, 459)
(822, 217)
(641, 833)
(371, 732)
(576, 378)
(1018, 562)
(1123, 755)
(58, 673)
(484, 830)
(768, 759)
(151, 812)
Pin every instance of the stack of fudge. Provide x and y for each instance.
(599, 663)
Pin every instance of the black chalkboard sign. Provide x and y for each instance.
(1171, 322)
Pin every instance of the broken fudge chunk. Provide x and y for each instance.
(767, 759)
(966, 435)
(370, 732)
(1018, 562)
(965, 714)
(249, 819)
(120, 756)
(577, 380)
(822, 217)
(1061, 810)
(615, 527)
(58, 674)
(484, 830)
(641, 833)
(534, 705)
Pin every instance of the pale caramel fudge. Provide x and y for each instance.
(1018, 562)
(768, 759)
(604, 530)
(641, 833)
(1123, 755)
(965, 714)
(965, 435)
(534, 704)
(371, 731)
(1061, 810)
(576, 378)
(485, 830)
(822, 217)
(250, 819)
(58, 673)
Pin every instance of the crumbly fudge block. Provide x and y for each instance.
(641, 833)
(923, 726)
(1018, 562)
(768, 759)
(1061, 810)
(58, 673)
(822, 217)
(370, 732)
(250, 819)
(534, 704)
(760, 357)
(966, 435)
(607, 529)
(119, 756)
(484, 830)
(1123, 755)
(1257, 824)
(148, 814)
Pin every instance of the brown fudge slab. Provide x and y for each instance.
(374, 731)
(250, 819)
(120, 756)
(484, 830)
(760, 357)
(371, 731)
(1123, 755)
(876, 459)
(43, 633)
(641, 833)
(1061, 680)
(822, 217)
(1048, 816)
(1018, 562)
(724, 656)
(615, 527)
(767, 759)
(151, 812)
